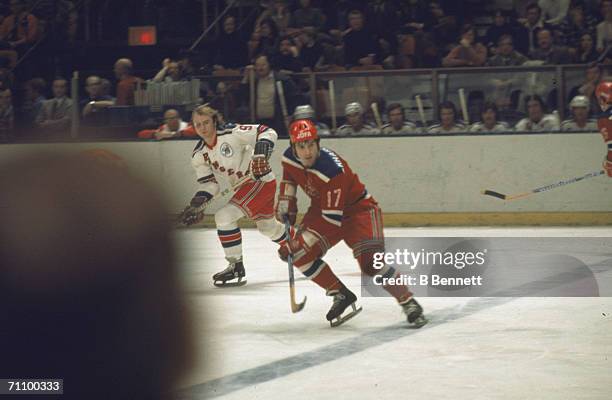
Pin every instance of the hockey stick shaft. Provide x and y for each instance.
(283, 103)
(332, 105)
(374, 107)
(464, 110)
(419, 103)
(543, 188)
(295, 307)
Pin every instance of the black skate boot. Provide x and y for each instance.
(343, 298)
(414, 313)
(233, 275)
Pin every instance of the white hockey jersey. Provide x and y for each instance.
(407, 128)
(549, 122)
(498, 127)
(569, 125)
(228, 161)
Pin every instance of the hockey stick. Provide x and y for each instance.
(295, 307)
(374, 107)
(283, 103)
(332, 105)
(464, 110)
(419, 103)
(543, 188)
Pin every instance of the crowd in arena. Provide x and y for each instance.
(281, 38)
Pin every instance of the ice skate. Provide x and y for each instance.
(233, 275)
(343, 298)
(414, 313)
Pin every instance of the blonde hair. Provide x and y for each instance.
(206, 110)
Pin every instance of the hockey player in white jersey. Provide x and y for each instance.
(355, 125)
(537, 120)
(580, 121)
(238, 157)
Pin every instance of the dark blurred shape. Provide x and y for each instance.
(89, 289)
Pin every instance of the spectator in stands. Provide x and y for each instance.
(310, 53)
(554, 11)
(286, 59)
(268, 109)
(33, 101)
(19, 30)
(575, 26)
(585, 52)
(592, 78)
(127, 82)
(383, 18)
(580, 121)
(55, 114)
(279, 13)
(547, 52)
(230, 47)
(170, 72)
(265, 39)
(307, 18)
(397, 123)
(355, 125)
(537, 120)
(500, 28)
(95, 101)
(187, 63)
(442, 27)
(173, 127)
(505, 55)
(604, 28)
(467, 53)
(533, 24)
(488, 120)
(448, 123)
(360, 46)
(305, 111)
(7, 115)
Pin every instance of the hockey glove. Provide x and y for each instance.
(292, 246)
(194, 212)
(287, 206)
(260, 166)
(607, 165)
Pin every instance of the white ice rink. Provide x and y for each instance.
(252, 347)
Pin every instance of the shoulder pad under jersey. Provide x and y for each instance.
(199, 146)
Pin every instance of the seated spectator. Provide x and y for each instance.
(488, 120)
(173, 127)
(7, 115)
(355, 125)
(305, 111)
(170, 72)
(537, 120)
(467, 53)
(505, 55)
(580, 121)
(604, 28)
(448, 123)
(311, 52)
(279, 13)
(230, 47)
(19, 30)
(94, 89)
(33, 101)
(528, 41)
(307, 18)
(286, 59)
(548, 53)
(397, 124)
(576, 25)
(264, 40)
(500, 28)
(360, 46)
(592, 77)
(126, 86)
(586, 53)
(55, 114)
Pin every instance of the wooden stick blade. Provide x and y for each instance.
(494, 194)
(297, 307)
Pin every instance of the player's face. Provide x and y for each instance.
(396, 117)
(534, 109)
(580, 113)
(489, 118)
(447, 117)
(307, 152)
(354, 119)
(205, 127)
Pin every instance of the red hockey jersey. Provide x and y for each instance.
(332, 186)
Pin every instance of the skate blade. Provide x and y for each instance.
(419, 322)
(343, 318)
(222, 284)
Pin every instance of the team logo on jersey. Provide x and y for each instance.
(226, 150)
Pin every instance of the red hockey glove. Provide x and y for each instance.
(260, 166)
(607, 165)
(292, 246)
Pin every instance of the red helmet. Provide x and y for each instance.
(302, 130)
(604, 95)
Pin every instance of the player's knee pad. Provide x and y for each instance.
(270, 228)
(228, 216)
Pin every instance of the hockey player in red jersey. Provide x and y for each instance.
(604, 122)
(236, 155)
(340, 209)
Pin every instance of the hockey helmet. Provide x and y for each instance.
(302, 130)
(353, 108)
(303, 112)
(604, 95)
(579, 101)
